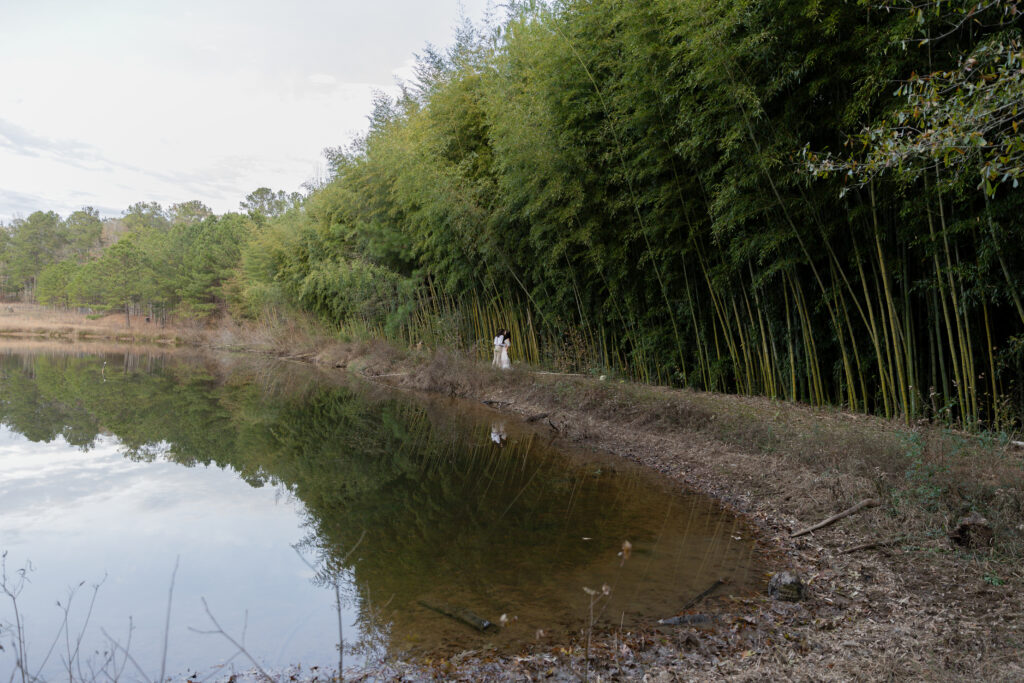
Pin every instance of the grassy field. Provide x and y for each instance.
(31, 320)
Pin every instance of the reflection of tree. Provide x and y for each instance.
(447, 514)
(31, 402)
(446, 519)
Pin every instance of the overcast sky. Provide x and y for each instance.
(106, 103)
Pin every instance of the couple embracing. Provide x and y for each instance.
(501, 343)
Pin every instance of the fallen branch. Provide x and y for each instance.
(695, 600)
(874, 544)
(693, 618)
(688, 620)
(867, 503)
(461, 614)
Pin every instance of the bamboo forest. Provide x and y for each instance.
(614, 340)
(811, 201)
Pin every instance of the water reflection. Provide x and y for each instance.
(415, 513)
(498, 435)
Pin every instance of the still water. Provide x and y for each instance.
(130, 482)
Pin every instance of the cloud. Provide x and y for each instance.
(322, 79)
(111, 105)
(16, 203)
(407, 72)
(26, 143)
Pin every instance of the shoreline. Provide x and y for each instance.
(913, 607)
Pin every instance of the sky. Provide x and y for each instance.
(111, 102)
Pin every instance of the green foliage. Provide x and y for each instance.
(185, 260)
(35, 242)
(85, 231)
(142, 215)
(52, 285)
(263, 204)
(189, 212)
(765, 197)
(629, 176)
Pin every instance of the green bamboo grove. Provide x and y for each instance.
(807, 200)
(751, 196)
(629, 185)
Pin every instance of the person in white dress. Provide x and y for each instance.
(506, 341)
(499, 347)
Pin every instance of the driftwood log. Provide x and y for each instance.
(696, 599)
(688, 620)
(693, 618)
(867, 503)
(461, 614)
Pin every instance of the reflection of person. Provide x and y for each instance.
(503, 361)
(498, 435)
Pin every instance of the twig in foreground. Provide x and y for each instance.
(221, 632)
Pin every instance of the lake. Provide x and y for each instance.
(272, 491)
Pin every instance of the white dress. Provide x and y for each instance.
(499, 349)
(503, 361)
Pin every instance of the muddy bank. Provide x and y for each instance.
(887, 594)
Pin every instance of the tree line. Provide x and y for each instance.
(151, 260)
(803, 200)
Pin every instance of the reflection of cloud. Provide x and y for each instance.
(41, 483)
(80, 516)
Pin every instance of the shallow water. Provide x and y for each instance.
(267, 486)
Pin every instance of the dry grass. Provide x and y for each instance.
(31, 320)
